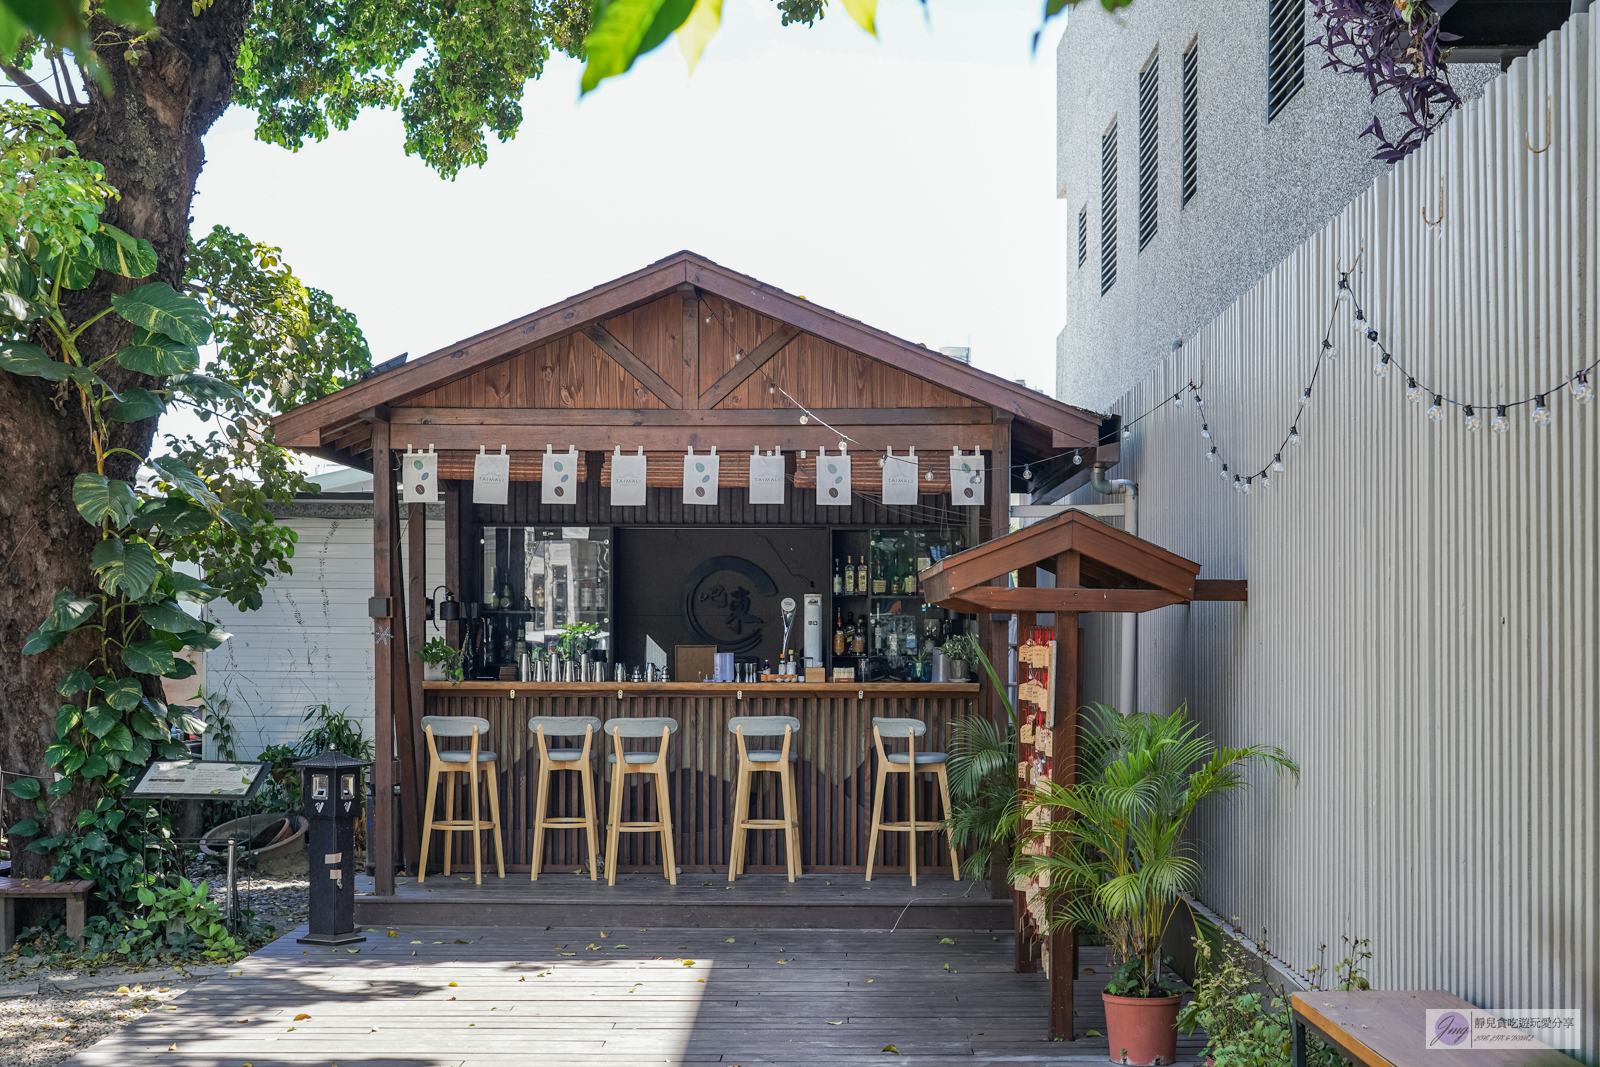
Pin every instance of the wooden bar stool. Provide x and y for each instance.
(446, 763)
(552, 760)
(911, 763)
(653, 763)
(782, 761)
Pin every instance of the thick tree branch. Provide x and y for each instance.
(32, 88)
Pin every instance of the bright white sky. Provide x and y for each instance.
(907, 182)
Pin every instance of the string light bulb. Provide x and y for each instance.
(1266, 480)
(1305, 397)
(1224, 474)
(1436, 412)
(1541, 413)
(1294, 435)
(1205, 431)
(1027, 473)
(1359, 323)
(1413, 391)
(1077, 457)
(1474, 420)
(1199, 402)
(1342, 294)
(1247, 486)
(1211, 457)
(1177, 398)
(1381, 368)
(1372, 338)
(1277, 462)
(1127, 432)
(1500, 424)
(1582, 391)
(1238, 484)
(1327, 348)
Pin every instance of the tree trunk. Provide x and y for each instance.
(146, 132)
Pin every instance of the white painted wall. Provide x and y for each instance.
(311, 640)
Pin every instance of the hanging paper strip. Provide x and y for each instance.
(833, 478)
(421, 477)
(767, 481)
(628, 474)
(559, 484)
(966, 478)
(700, 478)
(491, 478)
(899, 479)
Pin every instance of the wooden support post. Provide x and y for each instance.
(416, 625)
(690, 386)
(405, 736)
(993, 634)
(452, 555)
(383, 522)
(1063, 771)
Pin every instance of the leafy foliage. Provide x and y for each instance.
(1114, 846)
(1398, 48)
(983, 776)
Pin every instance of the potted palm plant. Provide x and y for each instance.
(983, 783)
(1113, 852)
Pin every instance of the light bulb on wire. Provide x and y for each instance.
(1582, 391)
(1500, 424)
(1277, 462)
(1436, 412)
(1359, 323)
(1205, 431)
(1381, 368)
(1305, 397)
(1247, 486)
(1294, 435)
(1541, 413)
(1027, 473)
(1414, 392)
(1473, 419)
(1238, 484)
(1342, 294)
(1266, 480)
(1211, 457)
(1177, 399)
(1372, 339)
(1199, 402)
(1224, 475)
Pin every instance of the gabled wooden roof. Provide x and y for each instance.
(657, 386)
(1115, 571)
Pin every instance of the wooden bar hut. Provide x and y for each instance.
(676, 360)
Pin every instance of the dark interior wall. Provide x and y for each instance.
(731, 581)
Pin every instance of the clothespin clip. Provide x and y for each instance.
(617, 452)
(549, 449)
(503, 450)
(955, 451)
(641, 451)
(713, 450)
(483, 450)
(430, 447)
(691, 451)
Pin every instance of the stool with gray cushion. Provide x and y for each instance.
(567, 758)
(913, 765)
(779, 760)
(651, 763)
(446, 763)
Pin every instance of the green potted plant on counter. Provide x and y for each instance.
(440, 662)
(957, 651)
(1113, 854)
(575, 639)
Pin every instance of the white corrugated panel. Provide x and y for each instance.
(1424, 608)
(311, 640)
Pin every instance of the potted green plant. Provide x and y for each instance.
(1112, 852)
(575, 639)
(983, 788)
(440, 662)
(958, 651)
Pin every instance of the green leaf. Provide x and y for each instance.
(41, 640)
(206, 636)
(99, 498)
(99, 719)
(67, 716)
(136, 405)
(625, 30)
(95, 841)
(119, 738)
(26, 828)
(124, 694)
(147, 898)
(77, 681)
(70, 759)
(172, 749)
(126, 567)
(188, 587)
(167, 616)
(26, 788)
(20, 357)
(865, 13)
(69, 611)
(148, 657)
(159, 309)
(158, 355)
(181, 669)
(177, 516)
(131, 257)
(94, 767)
(203, 387)
(145, 725)
(176, 473)
(85, 818)
(76, 269)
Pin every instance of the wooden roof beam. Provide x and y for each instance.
(634, 365)
(770, 346)
(1004, 601)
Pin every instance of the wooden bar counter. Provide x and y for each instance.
(835, 776)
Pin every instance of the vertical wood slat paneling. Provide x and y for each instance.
(834, 777)
(1424, 611)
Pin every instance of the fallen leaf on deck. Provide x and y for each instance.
(622, 946)
(569, 953)
(699, 979)
(869, 979)
(302, 1015)
(455, 983)
(947, 966)
(1092, 1033)
(461, 942)
(524, 978)
(438, 942)
(352, 950)
(413, 952)
(946, 941)
(472, 1024)
(452, 998)
(730, 941)
(290, 1030)
(122, 989)
(172, 1048)
(244, 1020)
(891, 1048)
(783, 961)
(604, 934)
(1087, 970)
(688, 963)
(394, 933)
(839, 1023)
(416, 942)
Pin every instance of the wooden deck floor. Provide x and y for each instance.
(457, 997)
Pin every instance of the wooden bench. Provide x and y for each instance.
(1386, 1028)
(74, 893)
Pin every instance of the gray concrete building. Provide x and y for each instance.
(1197, 146)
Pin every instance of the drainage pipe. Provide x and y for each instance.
(1128, 680)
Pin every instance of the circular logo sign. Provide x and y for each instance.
(1451, 1029)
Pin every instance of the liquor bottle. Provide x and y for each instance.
(880, 582)
(849, 578)
(838, 633)
(858, 637)
(838, 578)
(766, 666)
(861, 576)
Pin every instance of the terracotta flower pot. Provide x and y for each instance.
(1143, 1031)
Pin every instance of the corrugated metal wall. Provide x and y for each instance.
(1424, 601)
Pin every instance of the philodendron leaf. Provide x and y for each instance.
(168, 616)
(159, 309)
(145, 725)
(20, 357)
(99, 498)
(69, 611)
(173, 469)
(177, 516)
(188, 587)
(865, 12)
(119, 738)
(123, 694)
(158, 355)
(698, 29)
(203, 387)
(181, 669)
(120, 253)
(206, 635)
(148, 657)
(625, 30)
(76, 269)
(99, 719)
(126, 567)
(136, 405)
(77, 681)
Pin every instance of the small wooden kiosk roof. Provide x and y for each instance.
(1116, 572)
(686, 352)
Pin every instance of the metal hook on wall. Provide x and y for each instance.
(1361, 250)
(1547, 137)
(1440, 219)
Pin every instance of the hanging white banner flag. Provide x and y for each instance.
(421, 477)
(491, 477)
(700, 477)
(767, 480)
(628, 479)
(899, 479)
(966, 478)
(833, 478)
(559, 478)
